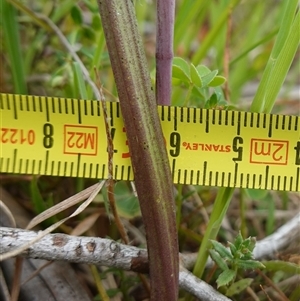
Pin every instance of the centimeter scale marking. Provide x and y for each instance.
(67, 137)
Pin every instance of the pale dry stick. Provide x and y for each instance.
(58, 246)
(110, 253)
(43, 233)
(133, 189)
(250, 291)
(270, 245)
(266, 294)
(199, 288)
(264, 213)
(98, 251)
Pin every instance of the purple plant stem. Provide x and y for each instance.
(148, 153)
(164, 50)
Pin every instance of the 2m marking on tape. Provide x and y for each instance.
(266, 151)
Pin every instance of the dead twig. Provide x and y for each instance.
(97, 251)
(282, 296)
(110, 181)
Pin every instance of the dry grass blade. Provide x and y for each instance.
(7, 219)
(85, 224)
(69, 202)
(54, 226)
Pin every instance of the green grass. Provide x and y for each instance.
(11, 35)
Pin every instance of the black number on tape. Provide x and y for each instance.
(237, 149)
(48, 135)
(175, 144)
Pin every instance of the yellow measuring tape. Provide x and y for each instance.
(67, 137)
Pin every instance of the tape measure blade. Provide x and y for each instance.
(66, 137)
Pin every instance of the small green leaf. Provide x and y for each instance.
(225, 277)
(181, 69)
(222, 250)
(232, 248)
(249, 264)
(178, 73)
(249, 243)
(202, 70)
(245, 254)
(176, 81)
(127, 203)
(76, 15)
(79, 83)
(237, 287)
(87, 33)
(58, 81)
(282, 266)
(256, 194)
(238, 241)
(206, 79)
(218, 260)
(96, 22)
(212, 102)
(106, 201)
(195, 77)
(217, 81)
(180, 62)
(198, 93)
(232, 108)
